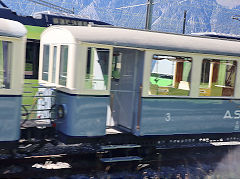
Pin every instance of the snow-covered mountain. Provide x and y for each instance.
(202, 15)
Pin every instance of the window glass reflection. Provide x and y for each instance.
(170, 75)
(218, 77)
(63, 65)
(45, 62)
(5, 64)
(97, 69)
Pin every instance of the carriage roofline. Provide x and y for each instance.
(143, 39)
(12, 28)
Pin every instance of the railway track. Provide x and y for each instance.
(168, 163)
(45, 166)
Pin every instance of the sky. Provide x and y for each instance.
(229, 3)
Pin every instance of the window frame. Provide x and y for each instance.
(17, 57)
(10, 62)
(197, 59)
(59, 66)
(50, 67)
(83, 63)
(174, 83)
(210, 76)
(49, 62)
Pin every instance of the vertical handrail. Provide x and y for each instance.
(139, 107)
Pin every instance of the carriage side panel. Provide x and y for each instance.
(189, 116)
(85, 116)
(10, 115)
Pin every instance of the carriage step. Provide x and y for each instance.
(126, 146)
(121, 159)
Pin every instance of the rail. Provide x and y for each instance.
(38, 102)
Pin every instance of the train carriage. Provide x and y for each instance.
(141, 82)
(12, 59)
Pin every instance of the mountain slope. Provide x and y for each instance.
(202, 16)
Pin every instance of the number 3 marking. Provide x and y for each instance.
(168, 117)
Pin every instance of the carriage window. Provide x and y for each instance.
(74, 22)
(68, 22)
(170, 75)
(217, 77)
(97, 69)
(54, 64)
(63, 65)
(55, 21)
(80, 23)
(62, 21)
(45, 62)
(5, 64)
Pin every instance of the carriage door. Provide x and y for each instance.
(127, 78)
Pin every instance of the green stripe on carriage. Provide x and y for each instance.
(34, 32)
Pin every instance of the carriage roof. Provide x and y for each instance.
(12, 28)
(131, 38)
